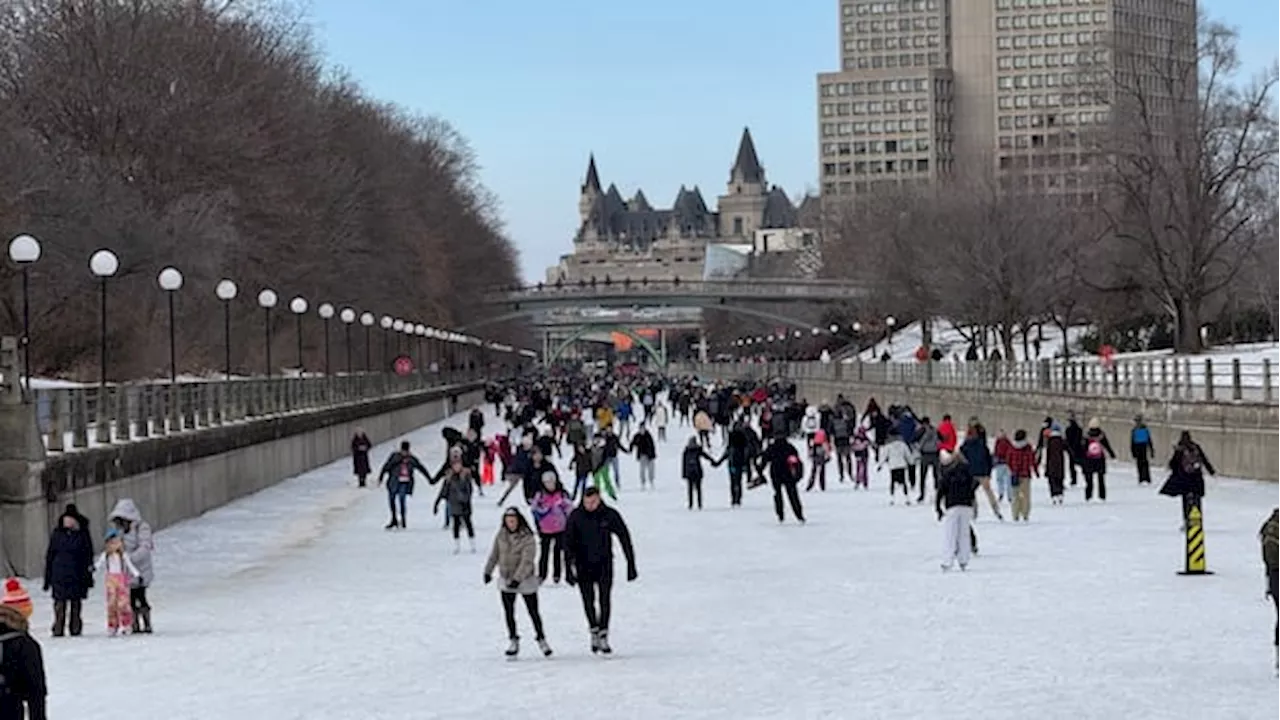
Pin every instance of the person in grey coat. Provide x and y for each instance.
(138, 545)
(456, 491)
(515, 556)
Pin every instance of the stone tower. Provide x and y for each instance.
(742, 207)
(590, 191)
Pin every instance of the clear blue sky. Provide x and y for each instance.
(659, 89)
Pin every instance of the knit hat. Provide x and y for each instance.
(16, 597)
(112, 533)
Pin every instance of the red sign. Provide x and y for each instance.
(922, 354)
(1108, 354)
(403, 365)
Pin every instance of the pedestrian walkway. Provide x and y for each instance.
(295, 603)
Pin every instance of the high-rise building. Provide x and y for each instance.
(1001, 88)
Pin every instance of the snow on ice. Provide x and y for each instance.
(295, 603)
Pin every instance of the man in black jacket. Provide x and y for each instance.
(588, 547)
(646, 453)
(785, 470)
(956, 489)
(1074, 436)
(22, 668)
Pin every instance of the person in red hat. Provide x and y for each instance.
(24, 680)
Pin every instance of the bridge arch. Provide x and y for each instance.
(576, 335)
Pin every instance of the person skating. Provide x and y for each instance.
(68, 572)
(25, 690)
(1142, 449)
(1021, 466)
(842, 437)
(646, 452)
(1268, 536)
(1187, 466)
(360, 447)
(551, 507)
(118, 574)
(139, 546)
(861, 447)
(1055, 456)
(1074, 437)
(947, 439)
(738, 452)
(954, 505)
(1094, 463)
(398, 472)
(819, 455)
(785, 471)
(661, 417)
(977, 457)
(589, 554)
(896, 456)
(929, 443)
(456, 489)
(1000, 466)
(514, 555)
(691, 469)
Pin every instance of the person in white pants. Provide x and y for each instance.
(954, 504)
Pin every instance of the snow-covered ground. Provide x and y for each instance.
(295, 603)
(954, 345)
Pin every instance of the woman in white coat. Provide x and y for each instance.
(515, 555)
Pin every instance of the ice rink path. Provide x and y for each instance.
(294, 603)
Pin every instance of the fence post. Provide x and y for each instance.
(1266, 380)
(57, 413)
(1208, 379)
(102, 428)
(79, 418)
(1237, 392)
(122, 423)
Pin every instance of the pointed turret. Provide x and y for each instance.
(639, 203)
(591, 192)
(593, 177)
(746, 167)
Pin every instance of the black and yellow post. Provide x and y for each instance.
(1196, 564)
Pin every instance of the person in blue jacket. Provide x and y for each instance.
(398, 472)
(978, 457)
(1142, 448)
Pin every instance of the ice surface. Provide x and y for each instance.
(295, 603)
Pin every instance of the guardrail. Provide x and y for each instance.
(1173, 378)
(75, 418)
(763, 288)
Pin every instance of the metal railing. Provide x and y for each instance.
(80, 417)
(1172, 378)
(755, 288)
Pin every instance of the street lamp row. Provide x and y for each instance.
(25, 250)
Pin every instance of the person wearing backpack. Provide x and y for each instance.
(930, 444)
(842, 438)
(1187, 466)
(785, 470)
(21, 660)
(1142, 449)
(398, 471)
(1094, 463)
(1268, 536)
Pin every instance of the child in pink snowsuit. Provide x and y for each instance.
(120, 572)
(859, 446)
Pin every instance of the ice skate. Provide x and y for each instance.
(595, 641)
(513, 649)
(457, 546)
(544, 647)
(946, 567)
(964, 567)
(604, 643)
(391, 525)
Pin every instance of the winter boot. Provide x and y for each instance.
(75, 622)
(137, 624)
(514, 648)
(604, 643)
(544, 647)
(595, 640)
(59, 617)
(145, 615)
(393, 524)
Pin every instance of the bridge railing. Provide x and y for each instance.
(73, 418)
(1182, 379)
(764, 288)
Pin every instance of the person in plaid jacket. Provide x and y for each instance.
(1021, 460)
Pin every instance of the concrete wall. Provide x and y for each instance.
(1240, 439)
(176, 477)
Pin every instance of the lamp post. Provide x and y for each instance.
(326, 314)
(170, 280)
(386, 323)
(347, 316)
(889, 322)
(418, 330)
(266, 300)
(25, 250)
(397, 326)
(103, 264)
(298, 306)
(226, 292)
(366, 319)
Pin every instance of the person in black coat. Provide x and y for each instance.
(785, 470)
(588, 548)
(691, 468)
(22, 668)
(1074, 435)
(1187, 467)
(360, 447)
(68, 571)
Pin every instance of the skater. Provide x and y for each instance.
(646, 453)
(897, 456)
(589, 555)
(398, 471)
(785, 471)
(661, 418)
(360, 446)
(612, 446)
(138, 545)
(930, 444)
(861, 447)
(738, 451)
(456, 490)
(842, 438)
(956, 495)
(1000, 466)
(819, 454)
(551, 507)
(600, 468)
(531, 481)
(1074, 436)
(1055, 458)
(1187, 467)
(1021, 466)
(119, 574)
(947, 439)
(24, 679)
(582, 466)
(1142, 449)
(977, 457)
(691, 469)
(1267, 536)
(68, 572)
(513, 554)
(1094, 463)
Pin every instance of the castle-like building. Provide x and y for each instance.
(620, 238)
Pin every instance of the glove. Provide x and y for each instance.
(488, 578)
(632, 574)
(512, 585)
